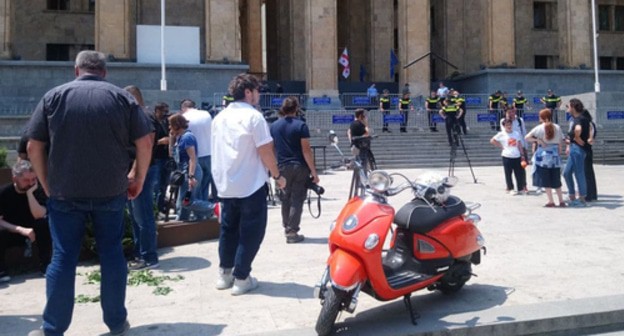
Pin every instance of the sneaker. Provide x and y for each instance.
(508, 191)
(226, 279)
(137, 265)
(577, 204)
(241, 287)
(294, 238)
(4, 277)
(122, 331)
(515, 193)
(38, 332)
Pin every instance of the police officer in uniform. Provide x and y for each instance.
(451, 113)
(384, 107)
(432, 105)
(494, 107)
(552, 102)
(519, 103)
(405, 104)
(461, 102)
(226, 100)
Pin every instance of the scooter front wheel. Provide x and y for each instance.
(332, 305)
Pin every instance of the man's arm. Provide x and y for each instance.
(37, 210)
(309, 159)
(143, 157)
(267, 155)
(26, 232)
(39, 159)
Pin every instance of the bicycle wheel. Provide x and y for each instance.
(372, 164)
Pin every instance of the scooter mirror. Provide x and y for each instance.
(333, 138)
(450, 181)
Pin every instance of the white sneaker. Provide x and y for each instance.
(243, 286)
(226, 279)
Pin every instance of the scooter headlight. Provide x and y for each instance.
(379, 181)
(371, 241)
(350, 223)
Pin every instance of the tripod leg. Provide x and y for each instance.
(474, 178)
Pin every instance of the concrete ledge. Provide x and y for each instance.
(174, 233)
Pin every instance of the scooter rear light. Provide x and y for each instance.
(425, 247)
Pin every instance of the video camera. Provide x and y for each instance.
(314, 187)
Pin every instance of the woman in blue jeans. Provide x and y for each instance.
(185, 155)
(577, 150)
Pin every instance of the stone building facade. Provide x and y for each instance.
(304, 38)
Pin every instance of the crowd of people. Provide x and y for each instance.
(92, 149)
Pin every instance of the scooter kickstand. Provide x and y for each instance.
(408, 304)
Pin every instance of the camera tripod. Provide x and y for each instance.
(458, 140)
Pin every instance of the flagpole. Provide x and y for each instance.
(163, 78)
(595, 39)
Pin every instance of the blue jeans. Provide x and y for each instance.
(143, 222)
(243, 224)
(159, 181)
(68, 219)
(206, 182)
(201, 208)
(576, 166)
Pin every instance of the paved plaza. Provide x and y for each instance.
(541, 263)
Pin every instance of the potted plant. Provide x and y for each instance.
(5, 170)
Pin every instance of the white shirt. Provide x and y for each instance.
(509, 141)
(443, 92)
(517, 125)
(237, 132)
(539, 132)
(200, 123)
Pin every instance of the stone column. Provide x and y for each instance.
(6, 22)
(382, 39)
(414, 42)
(575, 36)
(321, 50)
(499, 33)
(253, 36)
(223, 36)
(115, 28)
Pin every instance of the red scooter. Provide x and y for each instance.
(434, 242)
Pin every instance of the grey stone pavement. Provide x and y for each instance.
(557, 266)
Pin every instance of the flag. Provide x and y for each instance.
(393, 62)
(344, 61)
(362, 73)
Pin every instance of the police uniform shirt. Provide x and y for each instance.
(385, 102)
(495, 100)
(405, 103)
(432, 102)
(519, 102)
(551, 101)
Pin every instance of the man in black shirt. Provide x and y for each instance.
(22, 216)
(520, 103)
(432, 104)
(405, 105)
(160, 154)
(359, 128)
(384, 107)
(495, 109)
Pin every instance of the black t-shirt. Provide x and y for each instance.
(584, 122)
(14, 206)
(287, 134)
(358, 129)
(160, 129)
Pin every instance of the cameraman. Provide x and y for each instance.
(291, 137)
(359, 128)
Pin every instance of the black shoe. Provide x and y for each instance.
(403, 131)
(294, 238)
(434, 130)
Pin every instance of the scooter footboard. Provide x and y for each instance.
(346, 271)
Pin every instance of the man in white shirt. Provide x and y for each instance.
(200, 123)
(443, 91)
(244, 157)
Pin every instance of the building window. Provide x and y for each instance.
(606, 63)
(57, 52)
(91, 5)
(619, 63)
(604, 18)
(541, 62)
(544, 15)
(58, 5)
(618, 16)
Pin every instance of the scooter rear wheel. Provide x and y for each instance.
(331, 307)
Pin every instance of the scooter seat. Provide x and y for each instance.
(418, 217)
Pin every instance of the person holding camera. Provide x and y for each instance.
(296, 163)
(358, 136)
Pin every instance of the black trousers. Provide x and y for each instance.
(513, 165)
(452, 124)
(43, 241)
(432, 124)
(462, 123)
(293, 195)
(385, 124)
(590, 176)
(405, 114)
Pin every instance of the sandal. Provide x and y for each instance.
(562, 205)
(549, 205)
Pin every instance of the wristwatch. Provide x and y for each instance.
(277, 177)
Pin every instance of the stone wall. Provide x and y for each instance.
(28, 80)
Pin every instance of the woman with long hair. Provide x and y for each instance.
(549, 139)
(590, 176)
(577, 151)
